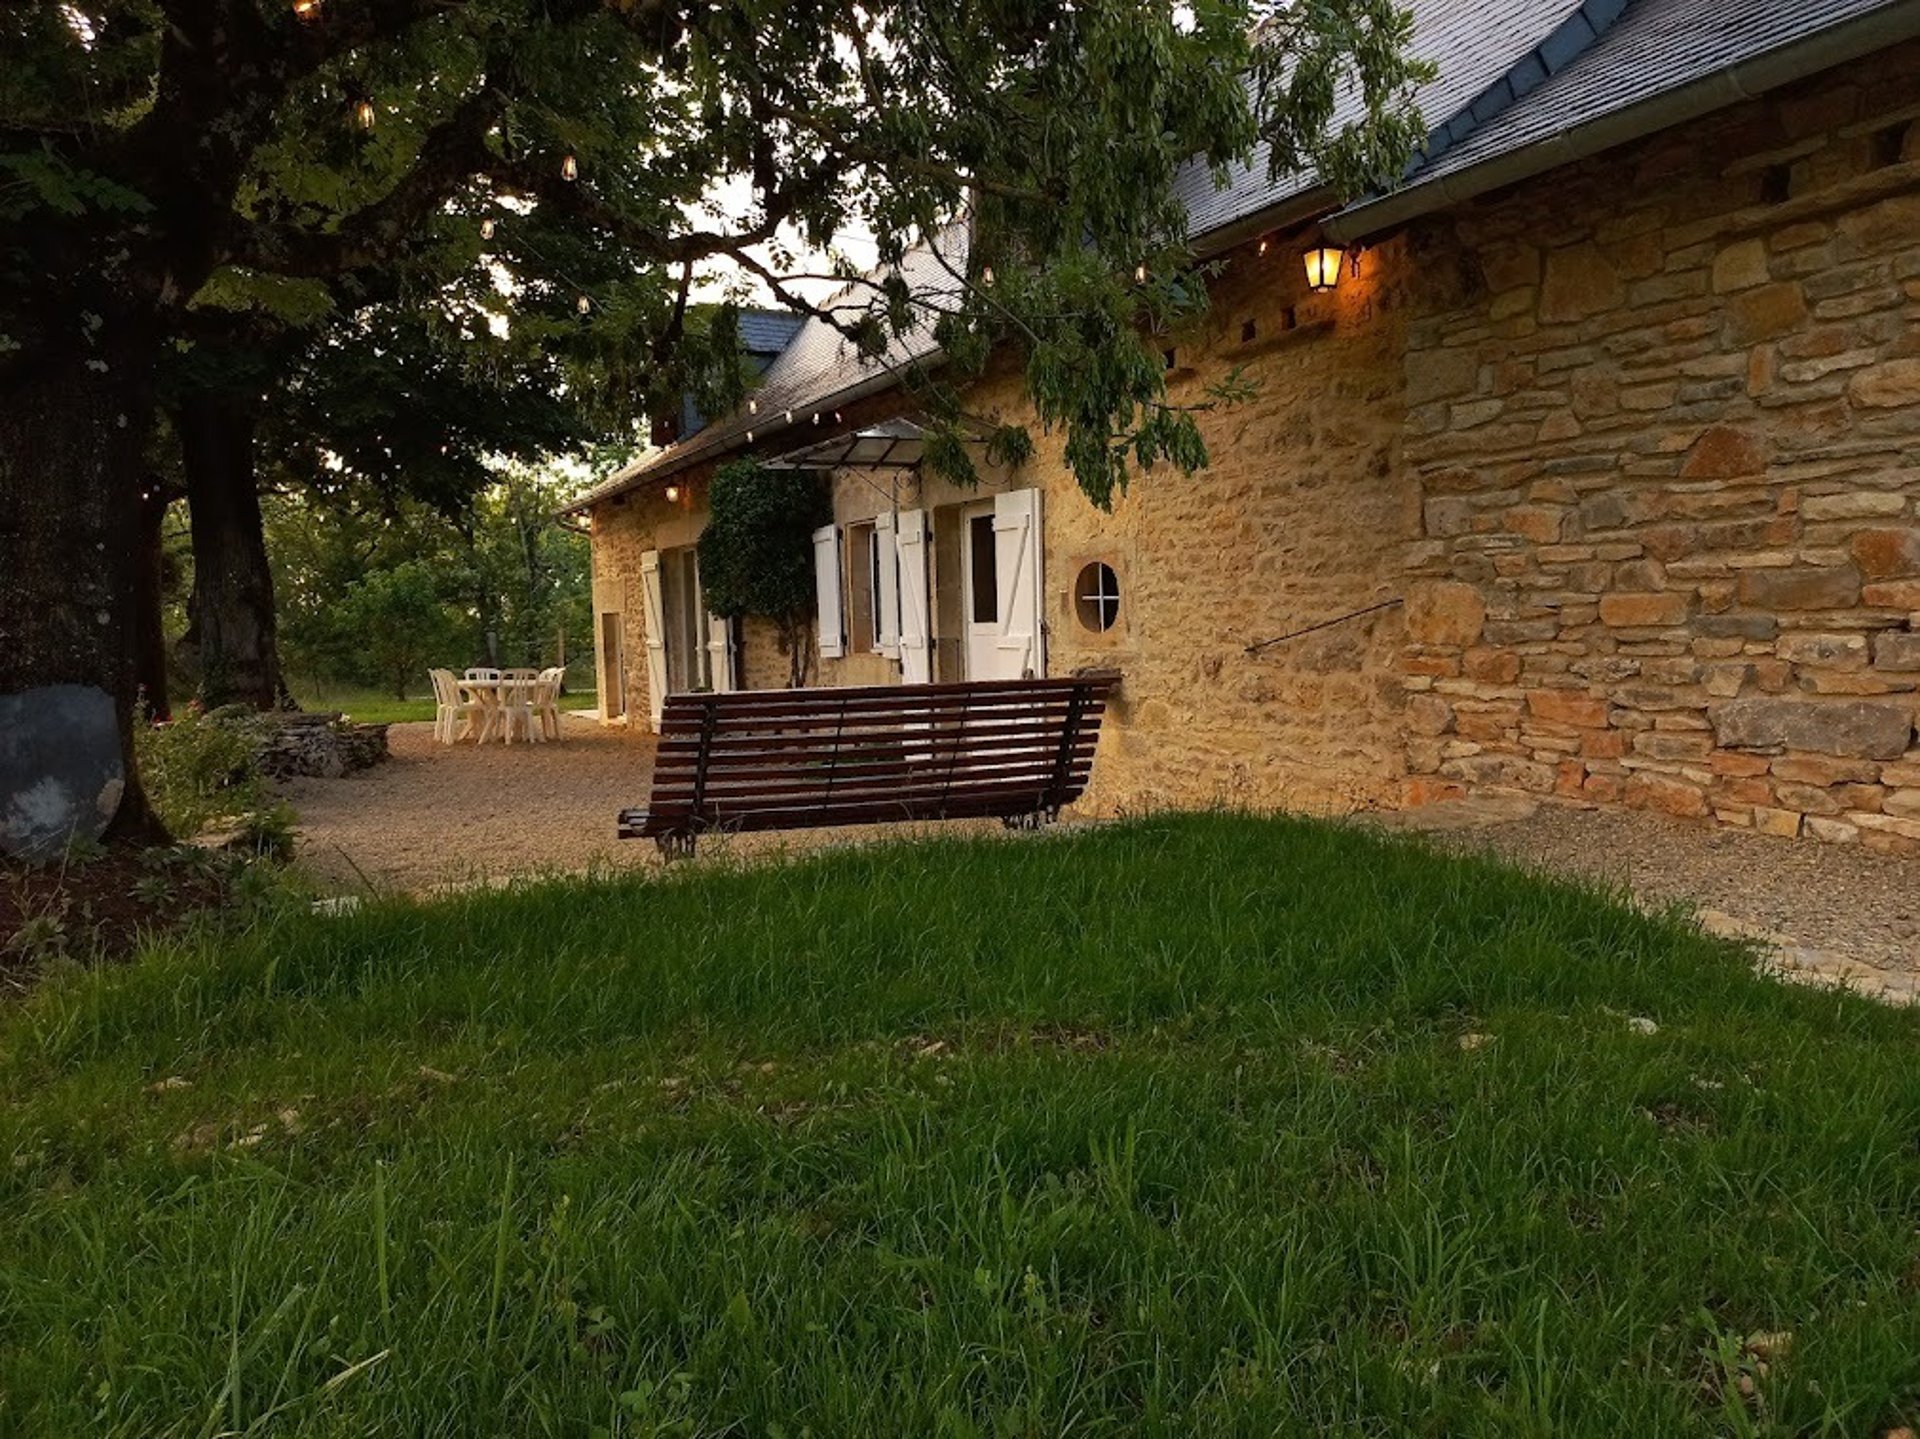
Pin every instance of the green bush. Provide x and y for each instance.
(203, 765)
(756, 554)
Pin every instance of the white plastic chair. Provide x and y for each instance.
(448, 708)
(546, 702)
(520, 674)
(481, 672)
(515, 712)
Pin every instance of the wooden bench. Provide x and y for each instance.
(1015, 750)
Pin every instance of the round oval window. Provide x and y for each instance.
(1096, 597)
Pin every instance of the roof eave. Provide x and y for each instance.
(1744, 80)
(672, 463)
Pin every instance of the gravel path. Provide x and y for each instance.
(1834, 912)
(435, 817)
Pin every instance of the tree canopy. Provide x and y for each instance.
(604, 157)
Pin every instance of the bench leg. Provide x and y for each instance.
(674, 846)
(1034, 821)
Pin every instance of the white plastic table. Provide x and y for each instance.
(491, 696)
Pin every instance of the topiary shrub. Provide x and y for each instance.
(756, 554)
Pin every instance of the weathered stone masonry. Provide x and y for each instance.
(1665, 422)
(1638, 441)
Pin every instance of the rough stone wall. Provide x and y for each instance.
(624, 529)
(1300, 518)
(1665, 424)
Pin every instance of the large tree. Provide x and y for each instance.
(148, 144)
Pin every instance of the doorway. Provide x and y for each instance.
(613, 674)
(980, 590)
(685, 621)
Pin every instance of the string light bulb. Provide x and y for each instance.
(486, 228)
(583, 304)
(986, 277)
(306, 9)
(753, 407)
(363, 113)
(673, 494)
(569, 169)
(1263, 244)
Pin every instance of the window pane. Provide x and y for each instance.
(985, 572)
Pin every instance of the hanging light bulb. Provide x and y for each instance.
(1140, 275)
(753, 407)
(363, 113)
(789, 417)
(816, 417)
(306, 9)
(1263, 244)
(673, 494)
(569, 169)
(486, 228)
(583, 304)
(986, 276)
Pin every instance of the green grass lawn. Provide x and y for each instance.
(373, 707)
(1190, 1126)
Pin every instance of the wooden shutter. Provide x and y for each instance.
(1016, 537)
(886, 598)
(723, 660)
(826, 580)
(916, 635)
(656, 622)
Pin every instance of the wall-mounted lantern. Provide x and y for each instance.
(1323, 267)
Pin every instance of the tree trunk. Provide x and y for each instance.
(233, 615)
(72, 426)
(150, 637)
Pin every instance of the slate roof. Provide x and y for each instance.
(1655, 48)
(768, 332)
(818, 370)
(1512, 74)
(1476, 45)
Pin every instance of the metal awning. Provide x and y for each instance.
(890, 445)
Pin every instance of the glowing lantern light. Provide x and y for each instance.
(363, 112)
(1323, 267)
(486, 228)
(569, 169)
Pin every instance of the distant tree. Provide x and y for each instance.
(756, 553)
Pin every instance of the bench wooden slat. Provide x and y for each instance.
(787, 759)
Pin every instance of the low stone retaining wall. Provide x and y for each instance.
(318, 746)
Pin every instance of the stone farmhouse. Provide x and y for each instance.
(1598, 443)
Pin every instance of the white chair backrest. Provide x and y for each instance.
(550, 680)
(520, 674)
(480, 672)
(445, 690)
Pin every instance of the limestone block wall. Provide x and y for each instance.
(1301, 516)
(1664, 422)
(625, 528)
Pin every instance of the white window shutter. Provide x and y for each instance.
(1016, 535)
(656, 621)
(722, 660)
(916, 635)
(886, 598)
(826, 579)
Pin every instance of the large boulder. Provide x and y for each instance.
(61, 776)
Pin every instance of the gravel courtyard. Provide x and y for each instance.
(434, 817)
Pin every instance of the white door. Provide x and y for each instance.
(916, 634)
(655, 616)
(980, 591)
(1023, 631)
